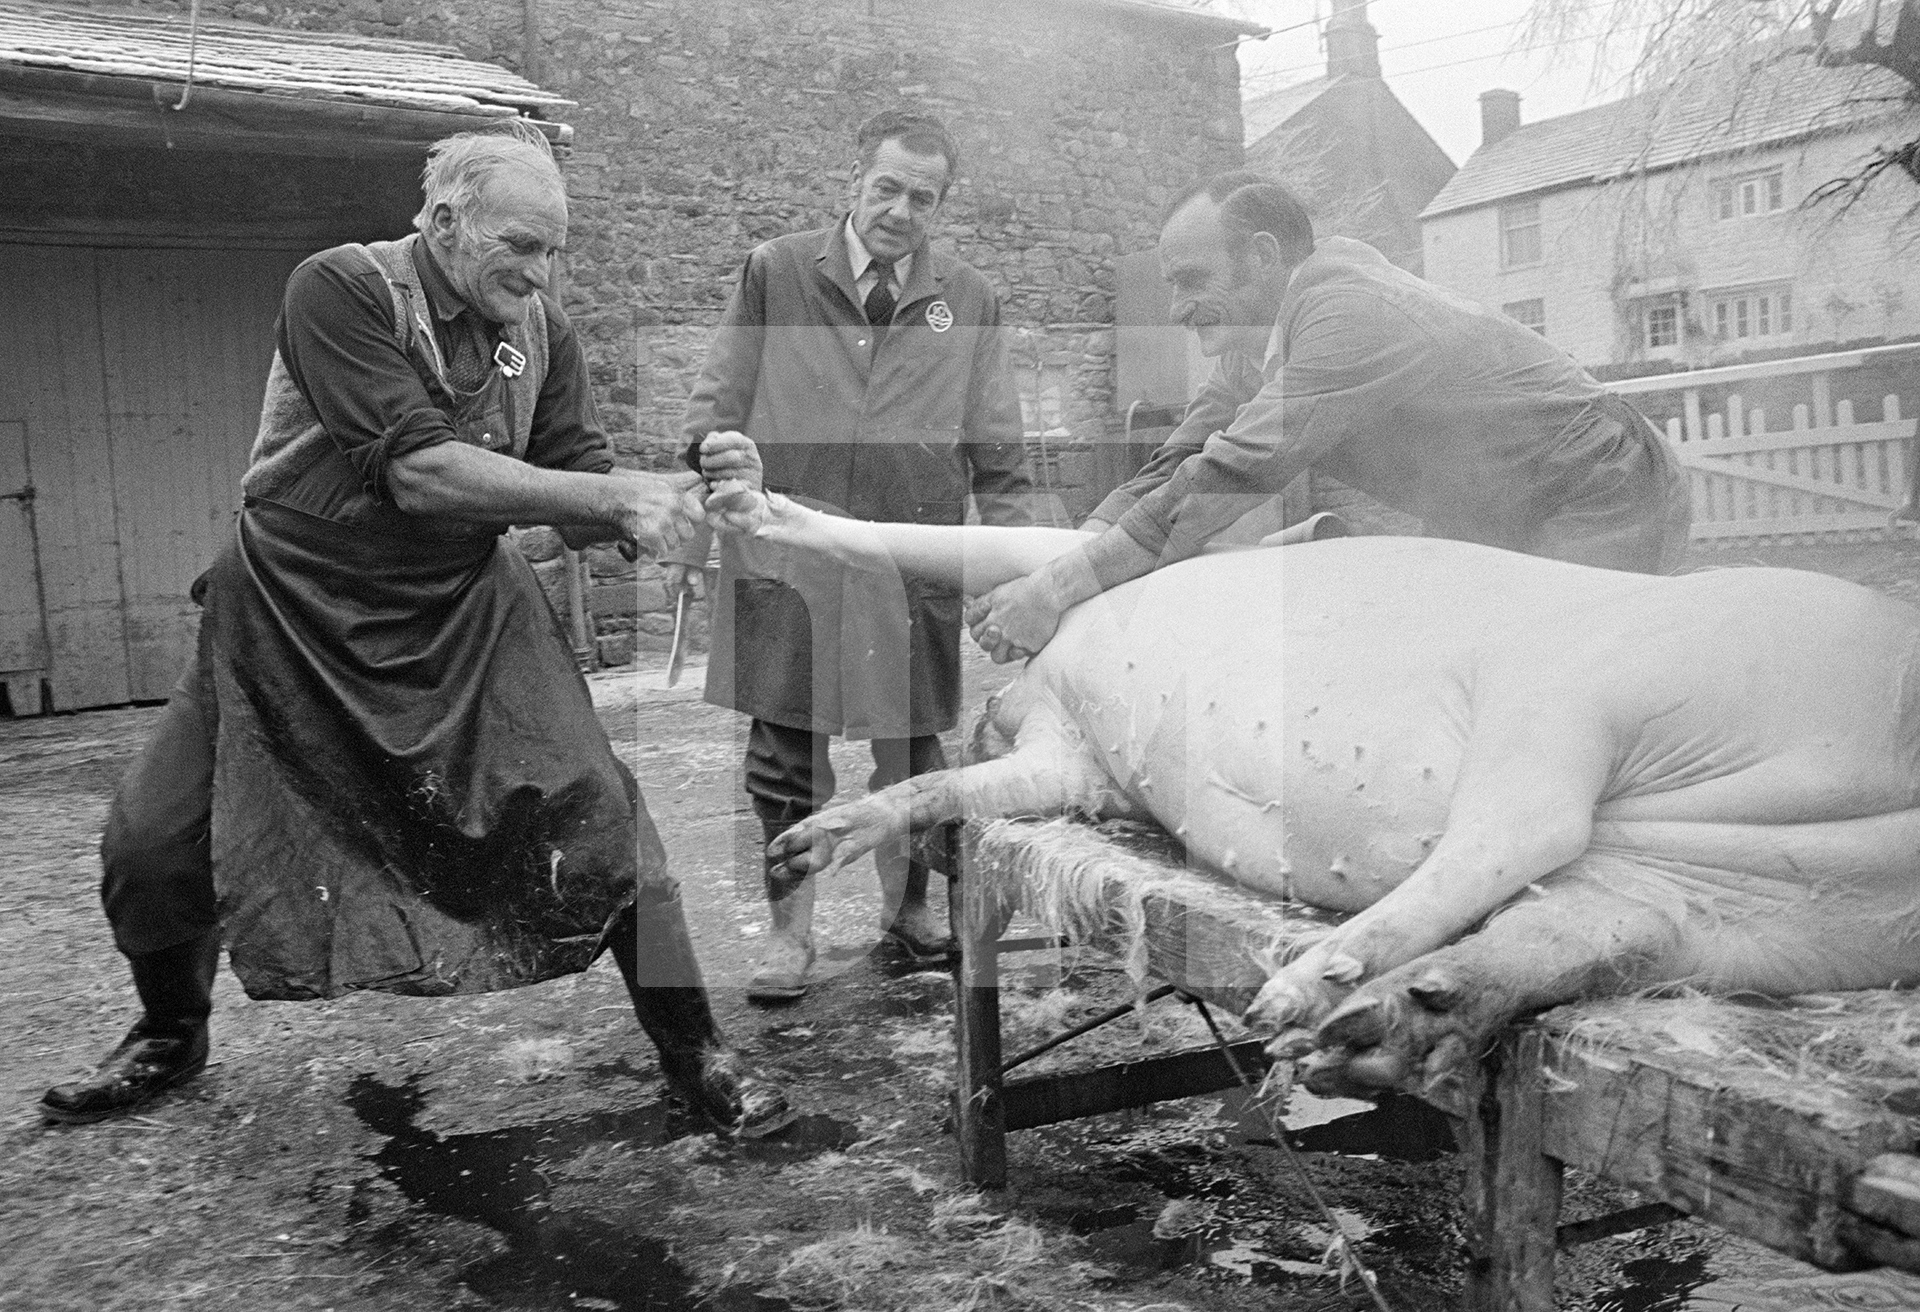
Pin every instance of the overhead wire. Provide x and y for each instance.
(1267, 74)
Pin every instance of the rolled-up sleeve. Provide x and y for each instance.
(335, 335)
(566, 432)
(1350, 361)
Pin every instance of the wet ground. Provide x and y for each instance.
(513, 1151)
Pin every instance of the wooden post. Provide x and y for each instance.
(979, 1113)
(1512, 1188)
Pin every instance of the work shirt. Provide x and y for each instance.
(1426, 401)
(865, 272)
(336, 336)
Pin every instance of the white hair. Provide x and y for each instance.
(459, 167)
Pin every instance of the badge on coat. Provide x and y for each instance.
(939, 316)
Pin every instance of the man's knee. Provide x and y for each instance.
(156, 856)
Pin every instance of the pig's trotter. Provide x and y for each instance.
(1406, 1031)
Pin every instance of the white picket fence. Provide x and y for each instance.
(1823, 477)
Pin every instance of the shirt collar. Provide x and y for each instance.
(860, 257)
(1276, 346)
(441, 297)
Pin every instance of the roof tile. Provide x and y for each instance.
(1735, 106)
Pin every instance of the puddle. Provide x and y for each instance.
(1396, 1129)
(1655, 1284)
(555, 1259)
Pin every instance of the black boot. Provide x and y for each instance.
(167, 1046)
(656, 960)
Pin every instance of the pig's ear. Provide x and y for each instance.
(1436, 990)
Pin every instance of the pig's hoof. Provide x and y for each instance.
(805, 850)
(1403, 1031)
(1288, 1003)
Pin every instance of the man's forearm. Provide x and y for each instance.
(1106, 562)
(458, 481)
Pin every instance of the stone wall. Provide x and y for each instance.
(706, 126)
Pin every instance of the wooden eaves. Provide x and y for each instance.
(123, 77)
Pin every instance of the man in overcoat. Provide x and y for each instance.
(381, 770)
(871, 370)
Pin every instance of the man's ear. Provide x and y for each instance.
(440, 223)
(1265, 249)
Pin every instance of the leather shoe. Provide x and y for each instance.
(148, 1062)
(733, 1096)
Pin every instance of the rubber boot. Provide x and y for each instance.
(906, 922)
(650, 945)
(781, 973)
(166, 1046)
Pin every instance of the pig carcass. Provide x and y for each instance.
(1531, 782)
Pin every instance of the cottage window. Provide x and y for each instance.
(1754, 194)
(1532, 313)
(1663, 326)
(1520, 234)
(1750, 313)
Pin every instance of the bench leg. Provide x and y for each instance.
(1511, 1187)
(979, 1113)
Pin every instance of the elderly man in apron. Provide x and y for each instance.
(381, 770)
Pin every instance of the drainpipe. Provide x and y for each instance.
(530, 61)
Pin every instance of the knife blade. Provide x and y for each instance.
(677, 655)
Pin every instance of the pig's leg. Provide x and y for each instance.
(782, 534)
(1050, 771)
(1537, 759)
(1419, 1027)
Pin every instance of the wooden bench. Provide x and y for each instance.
(1792, 1123)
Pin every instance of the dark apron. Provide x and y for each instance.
(411, 791)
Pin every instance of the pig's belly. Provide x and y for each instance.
(1308, 746)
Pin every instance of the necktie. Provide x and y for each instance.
(879, 304)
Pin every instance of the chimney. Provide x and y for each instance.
(1352, 44)
(1499, 116)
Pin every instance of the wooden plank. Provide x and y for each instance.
(50, 339)
(1769, 1157)
(1720, 375)
(1511, 1185)
(979, 1114)
(1791, 439)
(1850, 492)
(187, 336)
(1859, 521)
(1050, 1099)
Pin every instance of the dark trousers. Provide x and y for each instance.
(156, 853)
(789, 776)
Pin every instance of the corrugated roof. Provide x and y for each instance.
(269, 60)
(1735, 107)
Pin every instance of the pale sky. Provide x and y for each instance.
(1438, 58)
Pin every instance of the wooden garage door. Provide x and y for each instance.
(137, 376)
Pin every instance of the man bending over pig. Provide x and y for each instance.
(1331, 357)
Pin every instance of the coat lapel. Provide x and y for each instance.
(834, 265)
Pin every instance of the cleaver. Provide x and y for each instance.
(677, 654)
